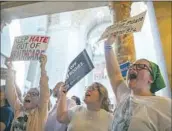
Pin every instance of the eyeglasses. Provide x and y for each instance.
(32, 94)
(91, 88)
(94, 87)
(140, 67)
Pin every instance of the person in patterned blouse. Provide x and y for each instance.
(137, 109)
(31, 114)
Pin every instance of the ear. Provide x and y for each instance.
(150, 80)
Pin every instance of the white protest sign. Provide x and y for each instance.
(130, 25)
(29, 47)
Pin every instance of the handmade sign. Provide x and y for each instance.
(29, 47)
(130, 25)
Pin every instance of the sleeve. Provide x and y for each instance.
(72, 111)
(122, 92)
(6, 116)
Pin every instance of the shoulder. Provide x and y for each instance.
(163, 101)
(78, 108)
(105, 113)
(159, 105)
(70, 101)
(7, 109)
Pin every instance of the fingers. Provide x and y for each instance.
(8, 62)
(43, 61)
(111, 38)
(43, 58)
(63, 89)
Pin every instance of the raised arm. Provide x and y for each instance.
(112, 65)
(44, 90)
(10, 89)
(62, 111)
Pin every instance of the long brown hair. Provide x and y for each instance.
(104, 97)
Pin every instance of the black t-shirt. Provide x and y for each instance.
(6, 116)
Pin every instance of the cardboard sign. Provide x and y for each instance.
(78, 69)
(29, 47)
(124, 68)
(130, 25)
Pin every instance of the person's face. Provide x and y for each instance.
(2, 94)
(139, 74)
(31, 99)
(92, 94)
(56, 89)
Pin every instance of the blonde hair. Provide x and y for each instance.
(104, 97)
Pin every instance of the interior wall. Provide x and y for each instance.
(164, 19)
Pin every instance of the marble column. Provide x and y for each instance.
(125, 45)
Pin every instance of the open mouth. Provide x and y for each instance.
(27, 101)
(87, 94)
(132, 76)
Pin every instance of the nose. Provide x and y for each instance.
(88, 91)
(132, 70)
(28, 94)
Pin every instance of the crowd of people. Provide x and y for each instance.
(137, 108)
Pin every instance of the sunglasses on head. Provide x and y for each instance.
(140, 67)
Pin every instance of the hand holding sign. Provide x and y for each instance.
(110, 40)
(43, 61)
(8, 63)
(62, 90)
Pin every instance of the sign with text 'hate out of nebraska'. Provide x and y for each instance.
(29, 47)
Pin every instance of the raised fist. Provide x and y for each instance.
(8, 63)
(110, 40)
(43, 60)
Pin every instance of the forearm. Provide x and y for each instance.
(11, 91)
(113, 68)
(61, 109)
(44, 89)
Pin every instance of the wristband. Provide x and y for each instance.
(107, 47)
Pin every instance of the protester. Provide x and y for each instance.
(94, 117)
(6, 113)
(30, 115)
(77, 100)
(52, 124)
(138, 108)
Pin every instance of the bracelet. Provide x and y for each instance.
(107, 47)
